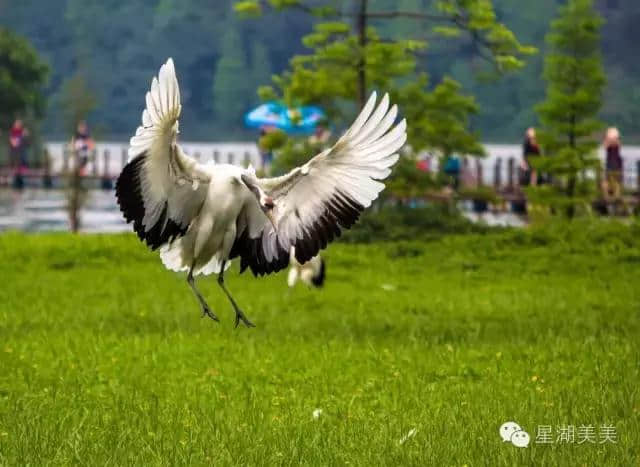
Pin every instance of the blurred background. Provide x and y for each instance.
(494, 280)
(469, 76)
(114, 47)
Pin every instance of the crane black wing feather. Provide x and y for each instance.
(130, 198)
(315, 202)
(161, 189)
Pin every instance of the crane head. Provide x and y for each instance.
(264, 200)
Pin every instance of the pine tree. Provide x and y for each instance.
(261, 71)
(77, 101)
(575, 82)
(349, 58)
(231, 95)
(440, 118)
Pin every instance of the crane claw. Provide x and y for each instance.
(241, 317)
(206, 311)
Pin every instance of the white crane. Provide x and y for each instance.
(203, 215)
(312, 272)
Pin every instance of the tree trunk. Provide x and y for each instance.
(75, 192)
(571, 190)
(361, 26)
(74, 199)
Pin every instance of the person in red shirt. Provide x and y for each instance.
(18, 144)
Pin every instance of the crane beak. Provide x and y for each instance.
(269, 215)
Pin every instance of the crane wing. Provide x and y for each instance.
(314, 202)
(161, 189)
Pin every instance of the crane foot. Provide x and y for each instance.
(206, 311)
(240, 316)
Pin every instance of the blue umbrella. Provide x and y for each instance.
(291, 120)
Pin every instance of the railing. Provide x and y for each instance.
(499, 169)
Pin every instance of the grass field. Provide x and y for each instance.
(104, 359)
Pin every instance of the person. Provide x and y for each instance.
(422, 164)
(530, 149)
(320, 135)
(612, 184)
(18, 144)
(82, 143)
(452, 169)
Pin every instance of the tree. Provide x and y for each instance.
(260, 64)
(333, 41)
(440, 119)
(77, 101)
(575, 83)
(620, 35)
(230, 92)
(330, 75)
(126, 42)
(22, 78)
(349, 58)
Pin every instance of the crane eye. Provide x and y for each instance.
(268, 203)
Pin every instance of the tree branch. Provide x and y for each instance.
(407, 14)
(295, 6)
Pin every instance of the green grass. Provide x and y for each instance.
(104, 359)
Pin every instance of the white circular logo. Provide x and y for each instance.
(512, 432)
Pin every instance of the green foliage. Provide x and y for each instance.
(77, 101)
(343, 61)
(403, 223)
(480, 193)
(493, 39)
(620, 35)
(121, 44)
(331, 74)
(551, 200)
(407, 182)
(249, 8)
(272, 140)
(230, 93)
(328, 76)
(440, 118)
(575, 82)
(22, 78)
(260, 64)
(105, 359)
(575, 78)
(254, 7)
(293, 152)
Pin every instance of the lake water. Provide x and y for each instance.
(37, 210)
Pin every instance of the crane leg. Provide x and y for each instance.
(206, 311)
(240, 316)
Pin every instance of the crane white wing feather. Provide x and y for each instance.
(314, 202)
(161, 189)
